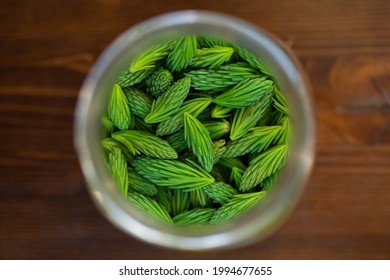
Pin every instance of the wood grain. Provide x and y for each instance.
(46, 49)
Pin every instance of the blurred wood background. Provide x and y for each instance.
(46, 49)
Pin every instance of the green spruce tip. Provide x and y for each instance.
(177, 141)
(118, 109)
(175, 122)
(275, 117)
(146, 143)
(149, 59)
(217, 129)
(150, 206)
(257, 140)
(199, 141)
(118, 167)
(236, 206)
(221, 77)
(280, 102)
(269, 182)
(169, 102)
(265, 120)
(232, 162)
(108, 124)
(219, 149)
(211, 57)
(164, 197)
(129, 79)
(140, 124)
(219, 192)
(139, 102)
(198, 198)
(284, 135)
(207, 41)
(251, 59)
(197, 216)
(246, 118)
(180, 201)
(109, 144)
(139, 184)
(159, 81)
(181, 55)
(172, 173)
(264, 165)
(126, 143)
(245, 93)
(220, 112)
(236, 176)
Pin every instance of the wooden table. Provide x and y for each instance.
(46, 49)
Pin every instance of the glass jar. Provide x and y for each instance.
(257, 223)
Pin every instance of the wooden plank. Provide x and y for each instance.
(47, 49)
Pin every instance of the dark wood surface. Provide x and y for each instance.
(46, 49)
